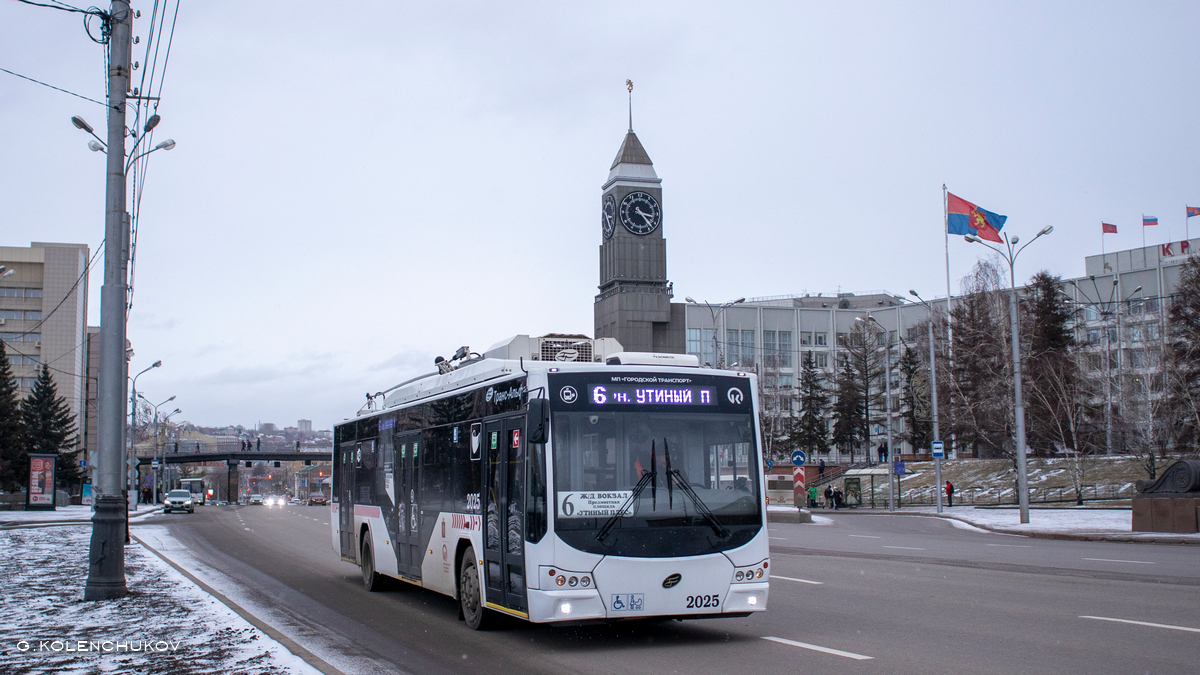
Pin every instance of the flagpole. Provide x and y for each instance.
(949, 330)
(1143, 232)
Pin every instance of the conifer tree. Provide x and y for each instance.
(13, 461)
(50, 427)
(812, 433)
(848, 411)
(915, 402)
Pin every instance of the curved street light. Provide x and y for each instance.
(133, 396)
(887, 380)
(716, 312)
(1010, 256)
(937, 461)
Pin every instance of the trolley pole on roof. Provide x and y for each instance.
(106, 559)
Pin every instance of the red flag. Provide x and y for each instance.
(1108, 228)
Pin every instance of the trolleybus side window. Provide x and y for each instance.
(516, 483)
(535, 500)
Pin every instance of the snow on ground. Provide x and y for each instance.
(65, 514)
(1079, 521)
(165, 625)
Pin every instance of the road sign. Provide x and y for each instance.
(798, 457)
(939, 450)
(132, 462)
(154, 464)
(898, 468)
(798, 492)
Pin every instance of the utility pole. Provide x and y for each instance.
(106, 559)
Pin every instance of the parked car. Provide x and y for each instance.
(317, 499)
(179, 500)
(256, 499)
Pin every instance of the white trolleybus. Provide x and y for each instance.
(554, 480)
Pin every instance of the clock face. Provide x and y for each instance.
(608, 216)
(640, 213)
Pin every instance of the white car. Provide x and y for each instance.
(179, 500)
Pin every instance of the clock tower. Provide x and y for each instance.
(634, 304)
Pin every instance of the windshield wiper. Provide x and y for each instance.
(647, 478)
(674, 476)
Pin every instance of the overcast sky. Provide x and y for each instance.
(359, 187)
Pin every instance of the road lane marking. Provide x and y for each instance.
(802, 581)
(865, 536)
(1012, 545)
(906, 548)
(783, 538)
(1138, 562)
(818, 648)
(1142, 623)
(246, 529)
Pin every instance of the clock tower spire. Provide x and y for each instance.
(634, 304)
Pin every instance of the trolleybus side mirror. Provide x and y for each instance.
(538, 422)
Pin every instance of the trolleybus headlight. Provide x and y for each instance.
(739, 575)
(565, 608)
(572, 582)
(586, 581)
(758, 573)
(752, 600)
(560, 580)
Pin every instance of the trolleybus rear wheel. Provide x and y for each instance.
(470, 596)
(372, 581)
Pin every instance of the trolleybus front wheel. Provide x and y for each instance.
(372, 581)
(470, 598)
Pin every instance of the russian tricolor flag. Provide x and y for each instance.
(1147, 221)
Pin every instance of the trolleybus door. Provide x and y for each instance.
(504, 512)
(344, 485)
(408, 492)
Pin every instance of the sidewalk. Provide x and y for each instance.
(1079, 523)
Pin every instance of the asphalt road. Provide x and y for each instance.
(867, 594)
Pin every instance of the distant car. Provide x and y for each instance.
(294, 502)
(317, 499)
(179, 500)
(256, 499)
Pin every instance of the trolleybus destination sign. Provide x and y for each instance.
(601, 504)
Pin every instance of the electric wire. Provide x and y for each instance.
(23, 77)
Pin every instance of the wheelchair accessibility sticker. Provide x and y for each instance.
(628, 602)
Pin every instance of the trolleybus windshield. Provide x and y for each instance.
(669, 469)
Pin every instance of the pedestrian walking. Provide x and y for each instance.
(837, 498)
(883, 453)
(828, 496)
(812, 496)
(821, 471)
(949, 494)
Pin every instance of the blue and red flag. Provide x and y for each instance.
(963, 217)
(1193, 211)
(1148, 221)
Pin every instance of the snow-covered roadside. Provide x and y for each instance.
(1078, 522)
(165, 625)
(326, 646)
(65, 514)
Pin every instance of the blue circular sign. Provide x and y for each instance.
(798, 457)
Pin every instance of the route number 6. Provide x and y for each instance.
(567, 507)
(598, 395)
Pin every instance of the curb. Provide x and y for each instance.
(288, 643)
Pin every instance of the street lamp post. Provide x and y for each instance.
(937, 461)
(155, 455)
(887, 379)
(1107, 310)
(716, 312)
(133, 396)
(1010, 256)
